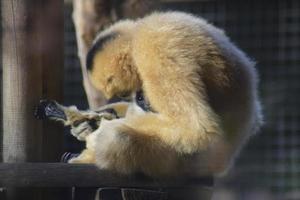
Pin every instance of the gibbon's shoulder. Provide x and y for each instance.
(120, 27)
(160, 18)
(179, 31)
(176, 32)
(176, 21)
(184, 32)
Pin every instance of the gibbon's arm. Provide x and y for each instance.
(151, 143)
(167, 64)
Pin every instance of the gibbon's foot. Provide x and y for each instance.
(49, 109)
(68, 156)
(82, 123)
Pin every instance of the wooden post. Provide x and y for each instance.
(32, 70)
(21, 90)
(22, 85)
(1, 113)
(91, 16)
(32, 57)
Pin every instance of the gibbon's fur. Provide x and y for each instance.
(201, 90)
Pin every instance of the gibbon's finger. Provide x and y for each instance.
(68, 156)
(49, 109)
(81, 131)
(109, 112)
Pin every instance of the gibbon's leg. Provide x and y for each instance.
(149, 143)
(82, 122)
(121, 148)
(88, 154)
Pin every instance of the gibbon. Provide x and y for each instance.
(190, 99)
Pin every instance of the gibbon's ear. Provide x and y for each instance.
(97, 47)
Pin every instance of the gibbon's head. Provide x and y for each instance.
(109, 63)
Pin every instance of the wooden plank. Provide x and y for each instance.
(183, 1)
(80, 175)
(2, 193)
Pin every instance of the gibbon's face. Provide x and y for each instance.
(110, 66)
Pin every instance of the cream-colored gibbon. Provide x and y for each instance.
(190, 98)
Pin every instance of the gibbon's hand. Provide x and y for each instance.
(83, 127)
(82, 123)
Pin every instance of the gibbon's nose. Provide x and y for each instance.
(49, 109)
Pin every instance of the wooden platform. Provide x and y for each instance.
(79, 175)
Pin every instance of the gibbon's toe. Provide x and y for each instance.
(39, 111)
(82, 131)
(82, 128)
(68, 156)
(49, 109)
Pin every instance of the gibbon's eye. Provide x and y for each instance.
(140, 97)
(141, 101)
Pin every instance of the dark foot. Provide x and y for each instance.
(68, 156)
(49, 109)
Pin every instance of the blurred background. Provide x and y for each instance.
(269, 32)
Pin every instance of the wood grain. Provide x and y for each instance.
(21, 86)
(32, 49)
